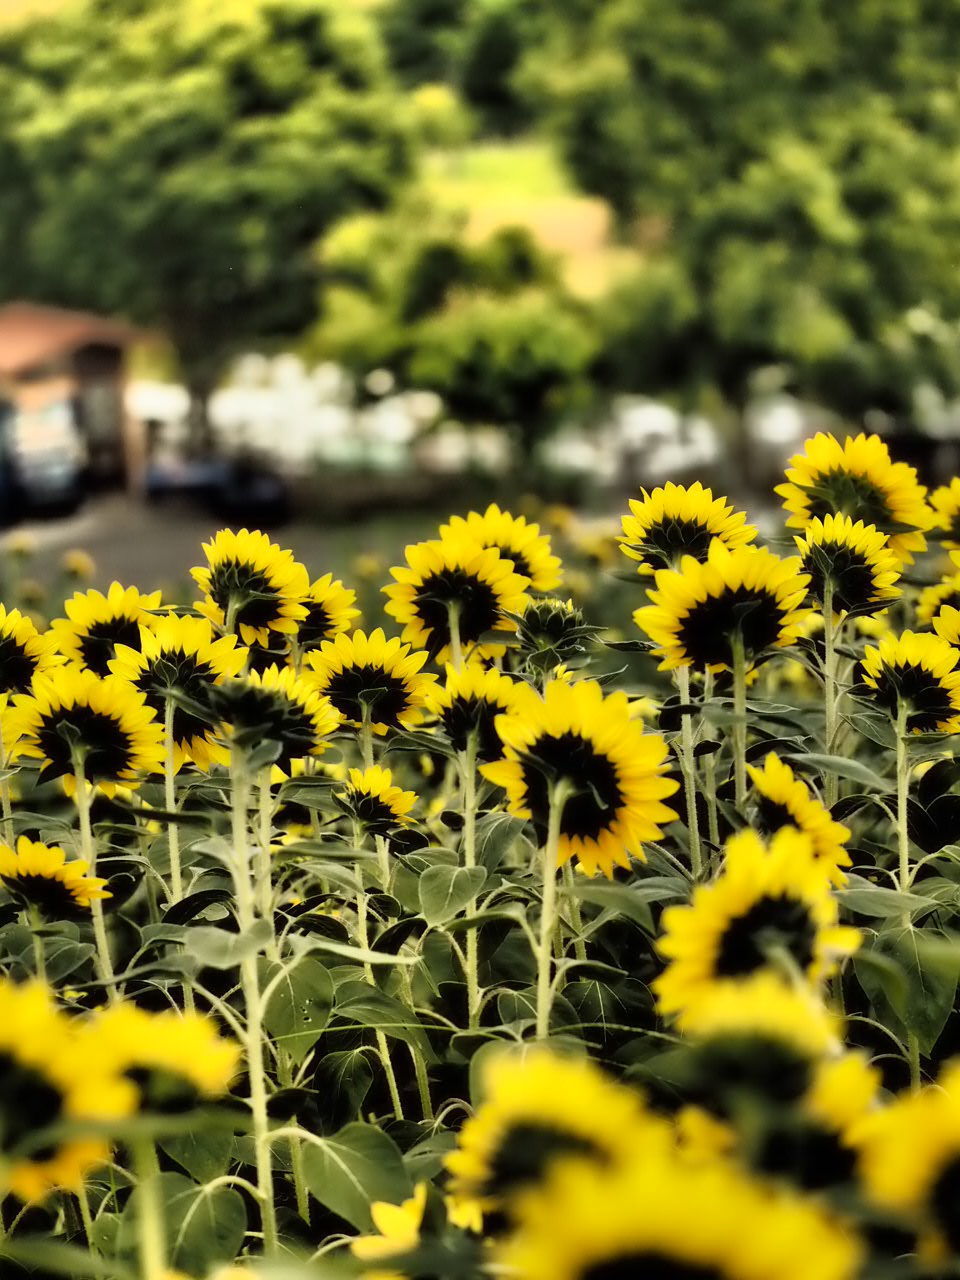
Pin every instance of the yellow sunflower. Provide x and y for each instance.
(515, 539)
(279, 706)
(96, 623)
(105, 721)
(784, 800)
(51, 1074)
(41, 876)
(251, 586)
(469, 701)
(661, 1217)
(915, 673)
(398, 1226)
(358, 671)
(613, 773)
(455, 578)
(938, 596)
(856, 477)
(945, 501)
(330, 610)
(180, 658)
(769, 906)
(851, 561)
(676, 521)
(537, 1108)
(371, 799)
(24, 653)
(764, 1007)
(700, 611)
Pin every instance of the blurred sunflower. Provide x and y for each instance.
(278, 706)
(856, 477)
(455, 579)
(945, 501)
(769, 906)
(330, 610)
(550, 632)
(371, 799)
(251, 586)
(106, 722)
(784, 800)
(915, 673)
(515, 539)
(40, 876)
(96, 623)
(181, 658)
(764, 1007)
(612, 770)
(851, 561)
(398, 1226)
(676, 521)
(938, 596)
(24, 653)
(358, 671)
(469, 701)
(746, 596)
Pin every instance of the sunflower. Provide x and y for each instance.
(551, 631)
(398, 1226)
(784, 800)
(699, 609)
(372, 800)
(538, 1108)
(455, 578)
(613, 772)
(106, 721)
(469, 701)
(180, 658)
(174, 1059)
(676, 521)
(51, 1074)
(96, 623)
(279, 706)
(330, 610)
(661, 1217)
(910, 1159)
(856, 477)
(765, 1007)
(766, 900)
(940, 595)
(360, 671)
(24, 653)
(40, 876)
(945, 501)
(915, 674)
(251, 586)
(515, 539)
(852, 558)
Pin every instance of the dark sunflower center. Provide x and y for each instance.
(842, 493)
(467, 715)
(184, 674)
(271, 717)
(316, 627)
(479, 608)
(772, 816)
(929, 702)
(773, 922)
(954, 527)
(647, 1265)
(99, 645)
(49, 895)
(382, 692)
(107, 749)
(161, 1091)
(30, 1104)
(951, 600)
(372, 811)
(526, 1150)
(945, 1202)
(850, 574)
(665, 542)
(16, 667)
(808, 1154)
(521, 564)
(257, 597)
(705, 632)
(597, 796)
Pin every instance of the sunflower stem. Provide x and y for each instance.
(710, 771)
(903, 785)
(366, 738)
(252, 995)
(688, 766)
(559, 793)
(264, 852)
(35, 921)
(416, 1054)
(383, 860)
(573, 906)
(170, 801)
(86, 1217)
(468, 783)
(831, 785)
(5, 802)
(301, 1193)
(739, 718)
(456, 651)
(151, 1230)
(88, 849)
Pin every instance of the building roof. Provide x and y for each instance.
(31, 335)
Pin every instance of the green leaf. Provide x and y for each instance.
(446, 891)
(202, 1228)
(874, 900)
(299, 1005)
(633, 900)
(367, 1005)
(220, 949)
(205, 1156)
(358, 1165)
(843, 767)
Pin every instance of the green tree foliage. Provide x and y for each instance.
(177, 161)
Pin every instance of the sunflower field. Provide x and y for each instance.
(586, 908)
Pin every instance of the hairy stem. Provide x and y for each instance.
(831, 786)
(468, 843)
(548, 907)
(152, 1240)
(688, 767)
(88, 851)
(739, 718)
(170, 802)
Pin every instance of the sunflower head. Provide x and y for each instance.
(371, 677)
(851, 562)
(398, 1227)
(938, 596)
(577, 744)
(914, 674)
(784, 800)
(330, 610)
(945, 502)
(276, 706)
(105, 723)
(550, 632)
(24, 652)
(856, 477)
(79, 564)
(179, 659)
(456, 582)
(96, 623)
(40, 877)
(251, 586)
(372, 800)
(669, 523)
(515, 539)
(468, 703)
(747, 597)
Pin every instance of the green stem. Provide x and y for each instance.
(688, 768)
(383, 859)
(468, 843)
(170, 801)
(88, 851)
(264, 874)
(903, 786)
(366, 738)
(831, 786)
(739, 718)
(5, 802)
(710, 770)
(86, 1217)
(363, 937)
(35, 922)
(913, 1057)
(456, 651)
(573, 906)
(152, 1238)
(548, 907)
(296, 1148)
(416, 1055)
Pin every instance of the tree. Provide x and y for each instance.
(178, 161)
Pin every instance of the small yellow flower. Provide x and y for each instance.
(398, 1226)
(78, 564)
